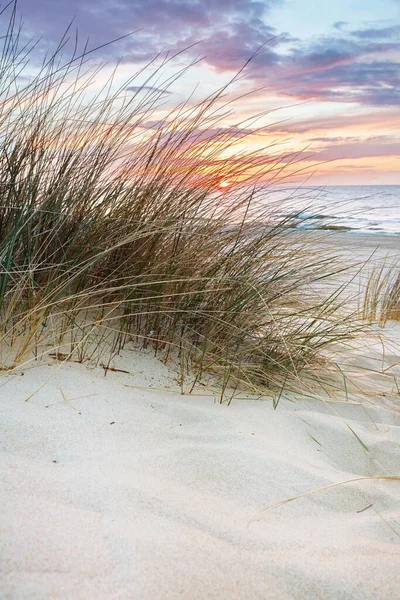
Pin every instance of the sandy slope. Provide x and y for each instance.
(109, 491)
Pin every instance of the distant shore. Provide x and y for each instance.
(364, 241)
(361, 246)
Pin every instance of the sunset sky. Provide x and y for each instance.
(328, 72)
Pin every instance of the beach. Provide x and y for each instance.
(363, 244)
(199, 301)
(122, 487)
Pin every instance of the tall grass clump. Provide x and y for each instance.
(382, 295)
(113, 228)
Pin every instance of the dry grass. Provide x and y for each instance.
(112, 229)
(382, 294)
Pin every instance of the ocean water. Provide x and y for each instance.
(356, 209)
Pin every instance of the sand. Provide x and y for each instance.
(119, 487)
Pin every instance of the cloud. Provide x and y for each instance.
(340, 24)
(197, 135)
(333, 140)
(338, 68)
(358, 65)
(382, 33)
(228, 49)
(372, 121)
(146, 89)
(354, 150)
(162, 23)
(374, 83)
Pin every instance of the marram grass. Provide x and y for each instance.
(381, 301)
(113, 228)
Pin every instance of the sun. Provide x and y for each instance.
(224, 184)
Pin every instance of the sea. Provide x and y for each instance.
(372, 209)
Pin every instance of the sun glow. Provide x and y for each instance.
(224, 184)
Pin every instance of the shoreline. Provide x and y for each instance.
(358, 246)
(366, 239)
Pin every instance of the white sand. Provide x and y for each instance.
(109, 491)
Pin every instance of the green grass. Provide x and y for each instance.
(113, 230)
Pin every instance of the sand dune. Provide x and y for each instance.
(120, 487)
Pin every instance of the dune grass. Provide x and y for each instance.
(113, 228)
(381, 301)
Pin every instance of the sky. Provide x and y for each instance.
(324, 75)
